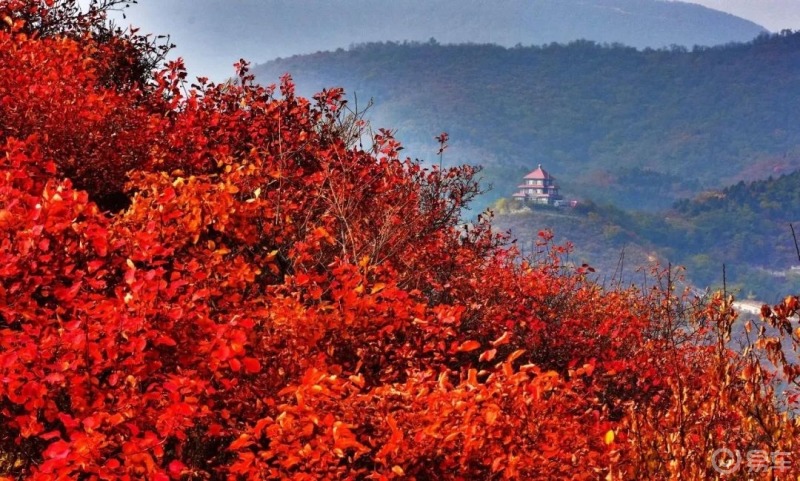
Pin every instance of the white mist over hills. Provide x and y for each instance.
(213, 34)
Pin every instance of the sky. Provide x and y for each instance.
(211, 39)
(774, 15)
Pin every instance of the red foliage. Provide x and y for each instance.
(212, 283)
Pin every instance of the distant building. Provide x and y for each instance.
(539, 187)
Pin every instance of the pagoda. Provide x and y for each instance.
(539, 187)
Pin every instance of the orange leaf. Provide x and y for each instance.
(514, 355)
(504, 339)
(488, 355)
(472, 377)
(244, 440)
(468, 346)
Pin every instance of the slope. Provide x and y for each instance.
(745, 226)
(612, 123)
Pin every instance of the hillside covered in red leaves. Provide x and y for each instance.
(203, 281)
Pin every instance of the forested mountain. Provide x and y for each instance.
(638, 128)
(744, 226)
(262, 30)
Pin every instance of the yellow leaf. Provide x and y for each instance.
(609, 438)
(358, 380)
(378, 287)
(398, 470)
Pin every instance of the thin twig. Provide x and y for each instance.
(724, 282)
(796, 246)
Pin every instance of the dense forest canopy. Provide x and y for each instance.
(612, 123)
(205, 281)
(746, 227)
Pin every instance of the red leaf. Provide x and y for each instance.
(251, 365)
(235, 364)
(176, 467)
(57, 450)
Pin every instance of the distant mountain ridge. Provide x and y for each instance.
(637, 23)
(261, 30)
(614, 124)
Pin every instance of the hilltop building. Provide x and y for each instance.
(539, 187)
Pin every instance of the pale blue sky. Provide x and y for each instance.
(775, 15)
